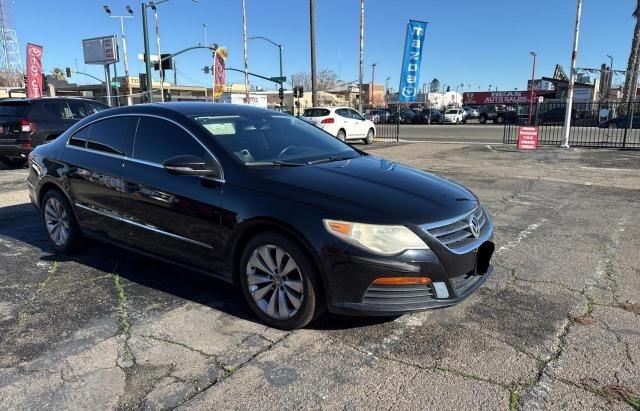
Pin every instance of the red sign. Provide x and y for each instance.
(220, 73)
(527, 138)
(34, 71)
(497, 97)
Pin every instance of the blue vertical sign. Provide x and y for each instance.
(410, 76)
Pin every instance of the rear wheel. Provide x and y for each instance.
(342, 136)
(13, 162)
(500, 120)
(613, 125)
(483, 120)
(370, 136)
(59, 221)
(279, 281)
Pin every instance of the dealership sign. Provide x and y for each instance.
(410, 75)
(100, 50)
(527, 138)
(497, 97)
(34, 71)
(219, 71)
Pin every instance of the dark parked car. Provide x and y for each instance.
(427, 116)
(378, 116)
(555, 115)
(406, 116)
(622, 122)
(298, 219)
(27, 123)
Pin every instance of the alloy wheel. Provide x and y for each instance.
(275, 281)
(56, 221)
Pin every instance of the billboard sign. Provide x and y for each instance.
(410, 75)
(497, 97)
(34, 71)
(100, 50)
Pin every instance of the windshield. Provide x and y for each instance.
(451, 111)
(13, 109)
(274, 138)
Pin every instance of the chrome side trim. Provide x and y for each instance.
(144, 226)
(215, 159)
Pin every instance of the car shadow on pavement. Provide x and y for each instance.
(153, 280)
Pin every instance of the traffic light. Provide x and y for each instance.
(281, 93)
(142, 78)
(300, 91)
(68, 71)
(206, 69)
(167, 95)
(448, 89)
(166, 64)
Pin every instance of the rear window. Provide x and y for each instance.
(315, 112)
(13, 109)
(452, 111)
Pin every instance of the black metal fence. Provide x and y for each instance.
(607, 125)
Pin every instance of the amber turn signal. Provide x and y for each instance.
(402, 280)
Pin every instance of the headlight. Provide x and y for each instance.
(378, 239)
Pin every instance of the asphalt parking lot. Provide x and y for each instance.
(556, 326)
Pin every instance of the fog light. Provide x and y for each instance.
(402, 280)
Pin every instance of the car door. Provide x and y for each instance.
(359, 123)
(172, 216)
(344, 119)
(93, 160)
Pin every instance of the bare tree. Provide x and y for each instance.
(631, 80)
(301, 79)
(327, 80)
(11, 78)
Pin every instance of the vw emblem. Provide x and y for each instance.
(474, 226)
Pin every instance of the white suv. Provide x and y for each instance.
(344, 123)
(455, 116)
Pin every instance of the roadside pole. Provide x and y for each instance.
(244, 42)
(572, 80)
(147, 57)
(107, 83)
(362, 57)
(157, 29)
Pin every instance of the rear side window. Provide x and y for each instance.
(13, 109)
(315, 112)
(78, 109)
(95, 107)
(158, 140)
(57, 109)
(113, 135)
(80, 137)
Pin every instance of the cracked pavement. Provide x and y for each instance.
(556, 326)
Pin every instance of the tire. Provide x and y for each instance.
(457, 122)
(612, 126)
(483, 120)
(499, 120)
(299, 286)
(56, 207)
(342, 136)
(13, 162)
(370, 137)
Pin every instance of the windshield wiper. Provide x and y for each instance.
(274, 163)
(328, 160)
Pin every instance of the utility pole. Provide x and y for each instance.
(312, 32)
(386, 91)
(147, 57)
(372, 91)
(361, 55)
(124, 48)
(533, 85)
(572, 79)
(157, 30)
(246, 59)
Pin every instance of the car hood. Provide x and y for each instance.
(369, 189)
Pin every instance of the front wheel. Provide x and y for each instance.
(370, 136)
(59, 221)
(279, 282)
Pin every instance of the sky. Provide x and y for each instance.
(471, 42)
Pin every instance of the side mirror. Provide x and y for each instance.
(189, 165)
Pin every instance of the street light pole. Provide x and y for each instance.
(386, 91)
(279, 46)
(124, 48)
(204, 25)
(572, 79)
(361, 55)
(157, 30)
(246, 58)
(533, 85)
(312, 35)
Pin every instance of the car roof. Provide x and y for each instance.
(31, 100)
(188, 109)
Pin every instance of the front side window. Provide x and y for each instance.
(158, 140)
(273, 137)
(113, 135)
(343, 112)
(355, 115)
(79, 109)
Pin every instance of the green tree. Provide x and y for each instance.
(633, 64)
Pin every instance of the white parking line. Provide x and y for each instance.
(521, 236)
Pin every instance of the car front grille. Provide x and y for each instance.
(398, 294)
(457, 234)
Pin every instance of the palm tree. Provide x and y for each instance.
(59, 74)
(633, 64)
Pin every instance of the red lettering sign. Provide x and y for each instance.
(34, 71)
(497, 97)
(527, 138)
(219, 73)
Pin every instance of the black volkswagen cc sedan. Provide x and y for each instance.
(299, 220)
